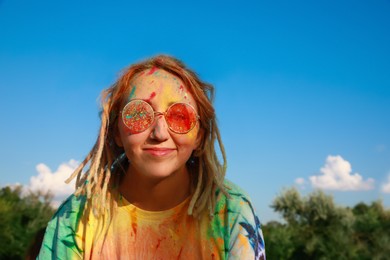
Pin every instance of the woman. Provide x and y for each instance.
(153, 185)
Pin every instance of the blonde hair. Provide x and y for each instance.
(107, 161)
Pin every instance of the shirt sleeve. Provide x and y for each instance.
(59, 240)
(246, 238)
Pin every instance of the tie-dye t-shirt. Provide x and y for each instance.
(233, 233)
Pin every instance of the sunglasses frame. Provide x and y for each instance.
(156, 114)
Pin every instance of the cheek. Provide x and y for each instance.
(131, 141)
(124, 130)
(132, 145)
(188, 141)
(193, 134)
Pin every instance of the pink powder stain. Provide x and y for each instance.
(134, 226)
(152, 71)
(151, 96)
(158, 243)
(181, 250)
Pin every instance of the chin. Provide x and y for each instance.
(161, 172)
(158, 175)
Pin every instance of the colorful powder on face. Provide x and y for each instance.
(132, 92)
(181, 90)
(151, 96)
(168, 88)
(193, 133)
(152, 70)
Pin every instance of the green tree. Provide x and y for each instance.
(279, 242)
(20, 218)
(372, 230)
(315, 228)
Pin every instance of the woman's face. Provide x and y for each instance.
(158, 152)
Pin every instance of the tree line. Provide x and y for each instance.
(313, 226)
(21, 218)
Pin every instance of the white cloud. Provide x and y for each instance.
(336, 174)
(386, 185)
(46, 180)
(301, 182)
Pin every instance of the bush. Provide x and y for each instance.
(316, 228)
(21, 217)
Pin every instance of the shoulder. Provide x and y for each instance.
(66, 218)
(236, 205)
(234, 190)
(236, 200)
(61, 229)
(71, 208)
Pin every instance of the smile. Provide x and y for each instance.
(159, 151)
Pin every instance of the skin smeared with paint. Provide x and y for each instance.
(171, 90)
(158, 154)
(131, 95)
(151, 97)
(151, 77)
(152, 70)
(181, 89)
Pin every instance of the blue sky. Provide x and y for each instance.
(296, 82)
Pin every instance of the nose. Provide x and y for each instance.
(160, 129)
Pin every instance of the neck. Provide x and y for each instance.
(156, 194)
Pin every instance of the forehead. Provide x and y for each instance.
(159, 87)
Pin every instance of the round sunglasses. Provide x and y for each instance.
(138, 115)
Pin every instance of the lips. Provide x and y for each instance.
(157, 151)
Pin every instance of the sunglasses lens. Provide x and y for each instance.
(181, 118)
(137, 116)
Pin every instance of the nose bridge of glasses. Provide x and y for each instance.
(158, 115)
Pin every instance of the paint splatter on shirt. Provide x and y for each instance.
(233, 233)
